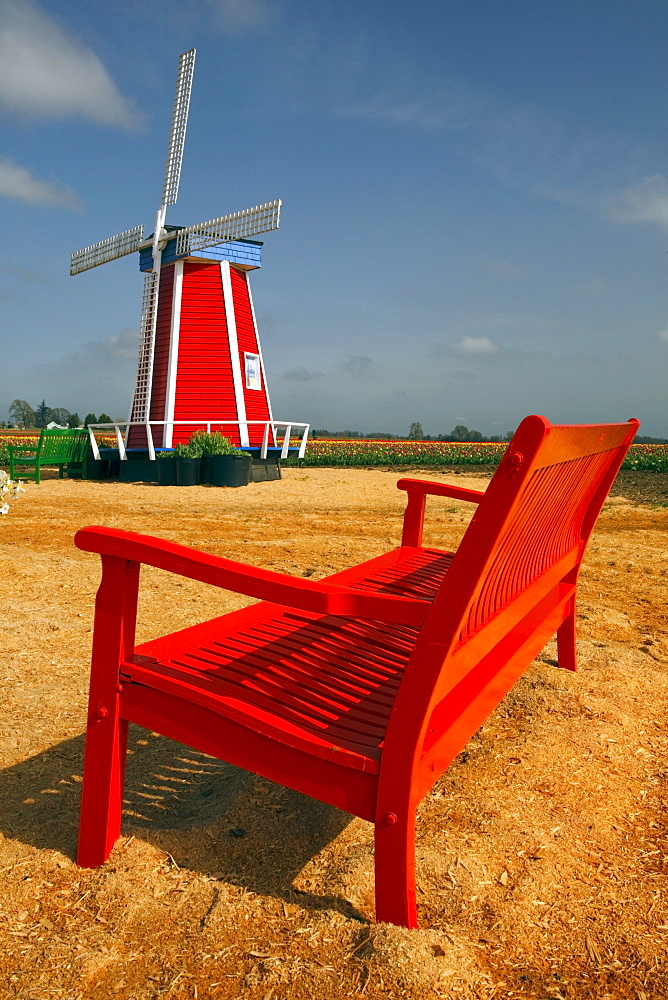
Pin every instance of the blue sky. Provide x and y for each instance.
(475, 200)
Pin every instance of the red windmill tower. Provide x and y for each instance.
(200, 360)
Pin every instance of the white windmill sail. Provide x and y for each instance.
(141, 403)
(177, 138)
(105, 250)
(237, 225)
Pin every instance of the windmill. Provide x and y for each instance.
(199, 353)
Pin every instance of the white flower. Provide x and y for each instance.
(4, 509)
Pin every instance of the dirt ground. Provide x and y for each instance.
(542, 852)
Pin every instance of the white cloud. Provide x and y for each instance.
(644, 202)
(450, 105)
(663, 335)
(475, 346)
(470, 349)
(18, 182)
(123, 345)
(46, 72)
(524, 145)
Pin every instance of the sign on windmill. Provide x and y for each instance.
(200, 360)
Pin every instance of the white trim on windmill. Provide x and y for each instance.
(174, 334)
(233, 340)
(259, 350)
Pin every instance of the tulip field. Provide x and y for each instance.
(367, 453)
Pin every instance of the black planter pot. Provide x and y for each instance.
(265, 470)
(138, 470)
(97, 468)
(104, 467)
(167, 471)
(187, 471)
(226, 470)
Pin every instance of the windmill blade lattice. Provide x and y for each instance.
(177, 136)
(249, 222)
(99, 253)
(142, 397)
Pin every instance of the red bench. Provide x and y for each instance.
(360, 689)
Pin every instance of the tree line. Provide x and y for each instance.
(22, 414)
(459, 433)
(415, 433)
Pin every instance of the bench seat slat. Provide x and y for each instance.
(306, 672)
(333, 680)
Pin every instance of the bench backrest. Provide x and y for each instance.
(61, 445)
(525, 541)
(540, 506)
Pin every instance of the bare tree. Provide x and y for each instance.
(22, 413)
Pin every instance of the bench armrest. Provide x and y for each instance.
(440, 490)
(14, 449)
(417, 490)
(279, 588)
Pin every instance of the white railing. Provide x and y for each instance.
(271, 429)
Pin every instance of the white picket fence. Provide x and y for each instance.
(276, 433)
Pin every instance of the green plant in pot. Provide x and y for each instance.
(213, 443)
(222, 463)
(188, 459)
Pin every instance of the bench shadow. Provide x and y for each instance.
(210, 816)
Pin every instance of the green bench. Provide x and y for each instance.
(67, 449)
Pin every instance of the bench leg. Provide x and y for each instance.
(102, 796)
(106, 731)
(566, 649)
(394, 858)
